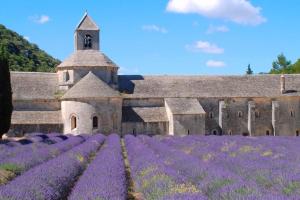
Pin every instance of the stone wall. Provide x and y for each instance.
(37, 105)
(106, 74)
(145, 102)
(188, 124)
(288, 122)
(21, 129)
(108, 112)
(147, 128)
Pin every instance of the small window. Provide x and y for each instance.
(66, 76)
(95, 122)
(211, 115)
(267, 133)
(292, 113)
(73, 122)
(112, 77)
(297, 133)
(215, 132)
(240, 114)
(88, 41)
(134, 132)
(257, 114)
(188, 132)
(227, 115)
(245, 134)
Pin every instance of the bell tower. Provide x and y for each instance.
(87, 34)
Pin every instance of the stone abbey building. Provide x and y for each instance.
(86, 95)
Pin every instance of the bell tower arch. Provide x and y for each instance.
(87, 34)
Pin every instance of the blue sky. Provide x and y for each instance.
(167, 36)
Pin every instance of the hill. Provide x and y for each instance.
(23, 55)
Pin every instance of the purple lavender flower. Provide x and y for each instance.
(52, 179)
(105, 176)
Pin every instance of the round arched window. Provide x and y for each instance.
(88, 41)
(95, 122)
(73, 122)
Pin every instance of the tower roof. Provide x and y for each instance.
(87, 23)
(87, 58)
(90, 87)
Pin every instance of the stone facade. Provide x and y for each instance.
(86, 95)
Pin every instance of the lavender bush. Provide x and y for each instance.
(253, 168)
(105, 176)
(151, 177)
(26, 159)
(52, 179)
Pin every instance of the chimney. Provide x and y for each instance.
(282, 84)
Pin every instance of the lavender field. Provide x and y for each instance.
(109, 167)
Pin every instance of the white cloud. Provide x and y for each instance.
(154, 28)
(205, 47)
(213, 29)
(215, 63)
(40, 19)
(238, 11)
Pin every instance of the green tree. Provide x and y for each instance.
(23, 55)
(6, 106)
(249, 70)
(281, 65)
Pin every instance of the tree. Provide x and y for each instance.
(6, 106)
(281, 65)
(249, 70)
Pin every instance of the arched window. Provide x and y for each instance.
(227, 115)
(267, 133)
(112, 77)
(240, 114)
(95, 122)
(245, 134)
(66, 76)
(133, 132)
(88, 41)
(73, 122)
(215, 132)
(188, 132)
(292, 112)
(211, 115)
(297, 133)
(257, 114)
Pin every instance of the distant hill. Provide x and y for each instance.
(23, 55)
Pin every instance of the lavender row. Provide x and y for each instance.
(11, 151)
(105, 177)
(152, 178)
(260, 164)
(210, 179)
(29, 139)
(52, 179)
(25, 160)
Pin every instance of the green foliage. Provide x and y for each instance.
(284, 66)
(23, 55)
(291, 188)
(249, 70)
(12, 168)
(6, 106)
